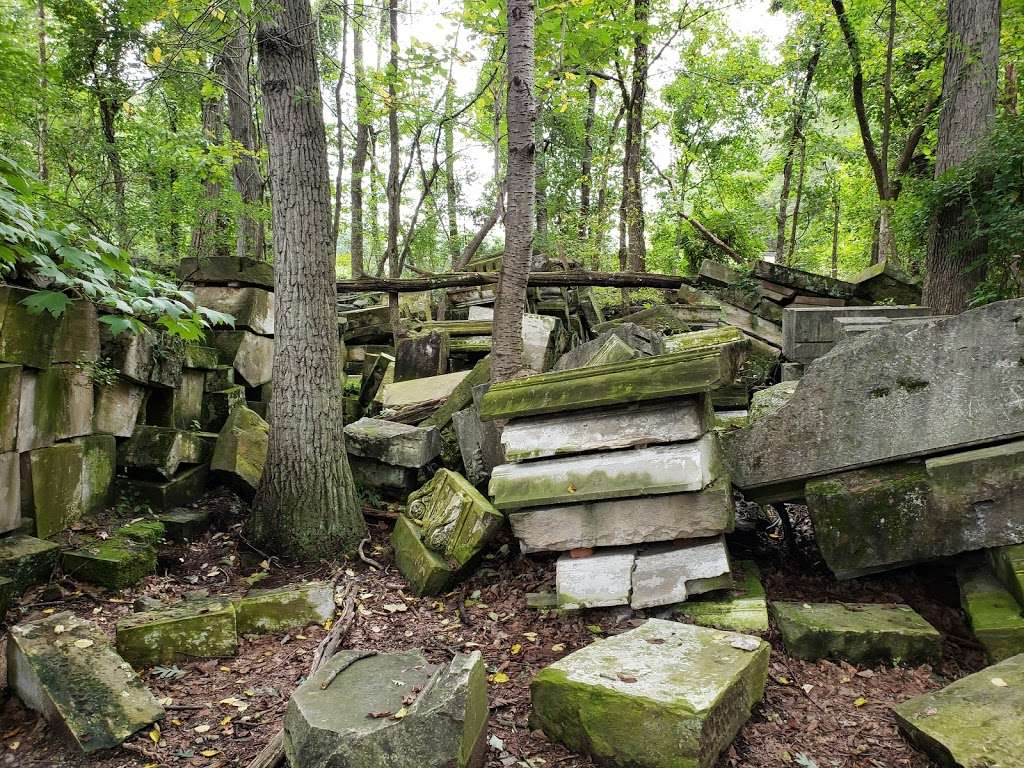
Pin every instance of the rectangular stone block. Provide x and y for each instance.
(78, 336)
(65, 668)
(422, 355)
(26, 560)
(652, 423)
(402, 445)
(56, 487)
(184, 488)
(10, 492)
(185, 524)
(158, 452)
(227, 270)
(250, 355)
(608, 522)
(116, 563)
(193, 629)
(618, 474)
(886, 282)
(217, 406)
(673, 571)
(131, 354)
(99, 461)
(602, 579)
(540, 339)
(427, 571)
(10, 400)
(401, 394)
(201, 357)
(117, 408)
(1008, 565)
(25, 338)
(644, 342)
(252, 308)
(717, 274)
(241, 451)
(992, 612)
(752, 324)
(370, 473)
(810, 331)
(461, 396)
(743, 608)
(805, 282)
(290, 607)
(666, 319)
(56, 403)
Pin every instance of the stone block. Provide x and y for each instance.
(131, 354)
(733, 418)
(185, 524)
(765, 402)
(217, 406)
(227, 270)
(56, 487)
(117, 562)
(663, 695)
(26, 338)
(608, 522)
(252, 308)
(241, 451)
(250, 355)
(972, 722)
(992, 612)
(326, 723)
(743, 608)
(56, 403)
(903, 392)
(1008, 566)
(886, 282)
(791, 371)
(428, 572)
(401, 394)
(540, 336)
(481, 313)
(219, 378)
(194, 629)
(666, 319)
(201, 357)
(859, 633)
(159, 452)
(99, 460)
(808, 332)
(370, 473)
(599, 580)
(78, 337)
(184, 488)
(717, 274)
(422, 355)
(295, 606)
(168, 363)
(731, 396)
(672, 571)
(64, 668)
(10, 399)
(752, 324)
(26, 560)
(618, 474)
(10, 492)
(117, 408)
(402, 445)
(645, 343)
(651, 423)
(380, 371)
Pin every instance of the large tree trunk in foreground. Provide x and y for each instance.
(507, 346)
(306, 504)
(362, 140)
(969, 89)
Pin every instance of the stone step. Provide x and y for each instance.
(992, 612)
(64, 668)
(615, 474)
(401, 445)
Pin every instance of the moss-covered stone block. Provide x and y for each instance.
(117, 408)
(383, 478)
(56, 487)
(973, 722)
(401, 445)
(64, 667)
(159, 452)
(993, 613)
(78, 337)
(149, 532)
(99, 460)
(217, 406)
(219, 378)
(856, 632)
(743, 608)
(10, 492)
(184, 488)
(241, 451)
(1008, 566)
(10, 398)
(25, 338)
(428, 572)
(116, 562)
(201, 357)
(295, 606)
(27, 560)
(56, 403)
(454, 517)
(185, 524)
(249, 354)
(8, 594)
(663, 695)
(190, 630)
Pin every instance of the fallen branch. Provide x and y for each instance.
(366, 558)
(537, 279)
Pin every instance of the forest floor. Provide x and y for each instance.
(221, 712)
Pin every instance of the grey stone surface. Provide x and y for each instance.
(227, 270)
(117, 408)
(161, 451)
(424, 354)
(400, 394)
(10, 492)
(328, 722)
(10, 398)
(249, 354)
(947, 385)
(540, 336)
(717, 274)
(765, 402)
(252, 308)
(671, 572)
(371, 473)
(809, 332)
(55, 403)
(99, 460)
(402, 445)
(240, 452)
(598, 580)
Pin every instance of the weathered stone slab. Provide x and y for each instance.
(1008, 566)
(608, 522)
(371, 473)
(973, 722)
(99, 459)
(808, 332)
(653, 423)
(25, 338)
(56, 403)
(741, 609)
(201, 357)
(732, 418)
(992, 612)
(884, 517)
(252, 308)
(226, 270)
(217, 406)
(26, 560)
(664, 695)
(540, 336)
(56, 487)
(805, 282)
(400, 394)
(131, 354)
(78, 337)
(250, 355)
(184, 488)
(666, 319)
(10, 398)
(752, 324)
(619, 474)
(185, 524)
(644, 341)
(598, 580)
(326, 724)
(731, 396)
(886, 282)
(10, 492)
(816, 301)
(64, 668)
(860, 633)
(241, 451)
(479, 441)
(194, 629)
(670, 572)
(481, 313)
(381, 371)
(117, 408)
(903, 393)
(649, 378)
(117, 562)
(295, 606)
(711, 337)
(717, 274)
(168, 364)
(402, 445)
(422, 355)
(767, 401)
(160, 451)
(461, 396)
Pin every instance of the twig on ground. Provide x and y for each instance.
(366, 558)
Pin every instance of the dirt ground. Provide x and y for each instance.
(221, 712)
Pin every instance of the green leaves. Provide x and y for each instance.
(51, 301)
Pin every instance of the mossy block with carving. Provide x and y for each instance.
(26, 560)
(295, 606)
(117, 562)
(194, 629)
(428, 572)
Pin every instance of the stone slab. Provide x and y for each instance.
(461, 396)
(859, 633)
(64, 668)
(809, 332)
(10, 399)
(602, 579)
(160, 452)
(226, 270)
(716, 273)
(608, 522)
(743, 608)
(886, 282)
(249, 354)
(117, 408)
(663, 695)
(400, 394)
(992, 612)
(184, 488)
(56, 487)
(370, 473)
(185, 524)
(217, 406)
(670, 572)
(903, 392)
(973, 722)
(653, 423)
(241, 449)
(540, 339)
(665, 319)
(617, 474)
(252, 308)
(194, 629)
(10, 492)
(26, 338)
(293, 606)
(402, 445)
(802, 281)
(644, 341)
(117, 562)
(131, 354)
(26, 560)
(55, 403)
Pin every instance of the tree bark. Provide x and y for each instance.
(797, 200)
(521, 111)
(393, 192)
(339, 132)
(450, 185)
(362, 140)
(306, 505)
(42, 120)
(109, 109)
(969, 88)
(586, 166)
(206, 233)
(637, 245)
(1010, 89)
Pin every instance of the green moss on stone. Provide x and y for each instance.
(741, 609)
(993, 613)
(295, 606)
(26, 560)
(117, 562)
(190, 630)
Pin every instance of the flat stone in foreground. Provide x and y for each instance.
(291, 607)
(664, 695)
(26, 560)
(343, 715)
(976, 722)
(64, 668)
(856, 632)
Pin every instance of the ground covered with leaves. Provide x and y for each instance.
(220, 712)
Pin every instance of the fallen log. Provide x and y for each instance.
(536, 280)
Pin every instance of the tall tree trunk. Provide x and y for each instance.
(797, 200)
(109, 108)
(450, 185)
(393, 192)
(586, 166)
(634, 134)
(306, 505)
(969, 90)
(541, 202)
(339, 130)
(835, 232)
(207, 232)
(1010, 89)
(42, 120)
(234, 69)
(507, 347)
(796, 132)
(362, 139)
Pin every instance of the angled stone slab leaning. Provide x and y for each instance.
(249, 354)
(973, 722)
(645, 343)
(804, 282)
(241, 451)
(952, 384)
(64, 668)
(616, 474)
(664, 695)
(402, 445)
(400, 394)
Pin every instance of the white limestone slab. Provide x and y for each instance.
(669, 573)
(597, 581)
